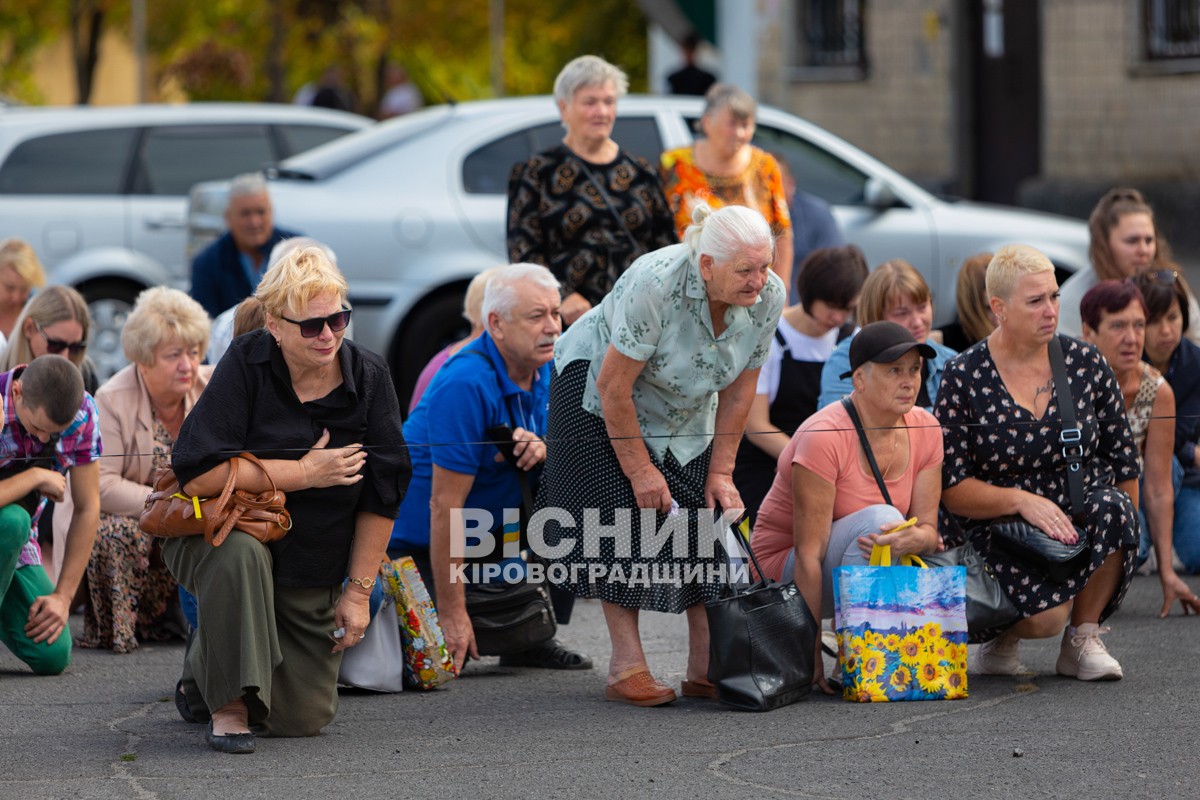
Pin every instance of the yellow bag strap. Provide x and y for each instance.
(881, 556)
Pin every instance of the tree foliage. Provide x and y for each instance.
(248, 50)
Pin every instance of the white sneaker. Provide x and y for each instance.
(1000, 656)
(1149, 566)
(1083, 656)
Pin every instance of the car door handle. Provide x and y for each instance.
(166, 223)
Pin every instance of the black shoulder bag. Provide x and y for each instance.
(988, 605)
(1027, 545)
(510, 618)
(761, 641)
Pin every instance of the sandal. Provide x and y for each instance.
(698, 688)
(637, 687)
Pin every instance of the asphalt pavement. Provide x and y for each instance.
(107, 728)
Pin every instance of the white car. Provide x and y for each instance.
(101, 193)
(416, 206)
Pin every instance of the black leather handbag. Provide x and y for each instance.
(510, 618)
(1026, 544)
(988, 605)
(761, 643)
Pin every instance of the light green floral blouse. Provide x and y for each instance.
(658, 313)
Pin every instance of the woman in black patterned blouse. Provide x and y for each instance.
(1000, 423)
(586, 209)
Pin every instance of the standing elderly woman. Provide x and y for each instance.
(1001, 424)
(142, 408)
(322, 414)
(647, 408)
(825, 508)
(1114, 320)
(895, 292)
(20, 274)
(724, 169)
(586, 208)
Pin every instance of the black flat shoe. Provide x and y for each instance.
(181, 704)
(548, 655)
(235, 743)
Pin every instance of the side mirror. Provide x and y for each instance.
(879, 195)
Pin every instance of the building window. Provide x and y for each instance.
(830, 42)
(1171, 33)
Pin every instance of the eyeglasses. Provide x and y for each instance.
(311, 328)
(57, 346)
(1167, 276)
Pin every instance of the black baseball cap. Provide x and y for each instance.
(883, 343)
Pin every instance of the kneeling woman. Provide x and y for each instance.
(826, 508)
(999, 410)
(312, 405)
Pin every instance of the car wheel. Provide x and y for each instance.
(109, 303)
(432, 325)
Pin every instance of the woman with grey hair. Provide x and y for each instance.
(647, 407)
(586, 208)
(142, 408)
(724, 169)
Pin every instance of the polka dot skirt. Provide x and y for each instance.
(582, 472)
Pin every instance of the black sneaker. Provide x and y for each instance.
(548, 655)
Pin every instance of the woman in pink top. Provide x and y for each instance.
(825, 508)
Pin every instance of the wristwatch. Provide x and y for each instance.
(366, 583)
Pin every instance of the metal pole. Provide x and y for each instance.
(139, 44)
(496, 37)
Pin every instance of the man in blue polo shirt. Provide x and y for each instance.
(502, 378)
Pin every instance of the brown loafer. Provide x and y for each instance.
(637, 687)
(698, 688)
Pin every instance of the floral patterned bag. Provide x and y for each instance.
(427, 661)
(902, 630)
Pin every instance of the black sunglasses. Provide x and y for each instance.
(1167, 276)
(311, 328)
(56, 346)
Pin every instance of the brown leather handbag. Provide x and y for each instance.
(170, 513)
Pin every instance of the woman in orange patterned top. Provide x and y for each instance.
(724, 169)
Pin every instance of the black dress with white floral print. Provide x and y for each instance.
(987, 435)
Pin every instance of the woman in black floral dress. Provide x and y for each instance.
(1001, 423)
(586, 208)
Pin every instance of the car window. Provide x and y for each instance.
(816, 171)
(80, 162)
(175, 158)
(298, 138)
(486, 170)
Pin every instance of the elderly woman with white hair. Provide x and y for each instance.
(142, 408)
(586, 208)
(647, 407)
(1002, 427)
(323, 416)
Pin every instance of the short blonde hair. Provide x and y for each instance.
(163, 315)
(18, 254)
(298, 277)
(52, 304)
(1010, 264)
(889, 283)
